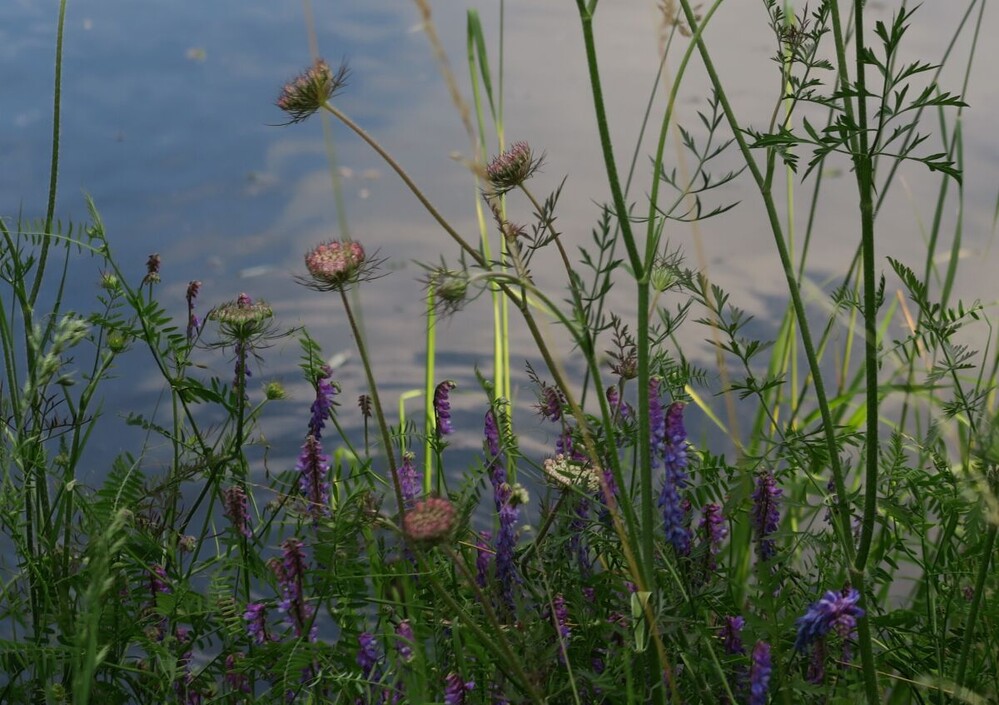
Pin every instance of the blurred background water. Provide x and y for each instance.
(169, 124)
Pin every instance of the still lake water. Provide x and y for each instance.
(168, 124)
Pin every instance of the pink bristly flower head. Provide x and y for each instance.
(512, 168)
(334, 265)
(308, 92)
(430, 521)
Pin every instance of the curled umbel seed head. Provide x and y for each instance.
(512, 168)
(243, 318)
(309, 91)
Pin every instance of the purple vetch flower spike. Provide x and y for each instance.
(404, 640)
(193, 323)
(323, 404)
(759, 674)
(657, 422)
(455, 689)
(621, 410)
(442, 407)
(237, 681)
(234, 501)
(492, 434)
(550, 401)
(766, 514)
(255, 617)
(290, 571)
(370, 655)
(314, 478)
(158, 582)
(674, 454)
(836, 610)
(560, 615)
(731, 635)
(713, 532)
(483, 559)
(410, 479)
(152, 269)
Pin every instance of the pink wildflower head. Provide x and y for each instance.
(430, 521)
(336, 264)
(512, 168)
(309, 91)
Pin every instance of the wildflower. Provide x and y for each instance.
(335, 264)
(110, 282)
(410, 480)
(492, 435)
(313, 477)
(483, 558)
(674, 453)
(238, 682)
(619, 408)
(430, 521)
(512, 168)
(442, 407)
(766, 514)
(560, 615)
(759, 674)
(255, 617)
(563, 473)
(152, 269)
(158, 580)
(404, 639)
(455, 689)
(550, 402)
(323, 404)
(234, 500)
(369, 655)
(364, 404)
(290, 572)
(506, 541)
(731, 635)
(449, 288)
(274, 391)
(713, 531)
(309, 91)
(836, 610)
(193, 323)
(243, 318)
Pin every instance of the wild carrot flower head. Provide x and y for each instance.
(442, 407)
(309, 91)
(335, 264)
(512, 168)
(448, 286)
(836, 610)
(430, 521)
(562, 472)
(242, 319)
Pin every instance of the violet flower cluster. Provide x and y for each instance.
(410, 480)
(759, 674)
(506, 570)
(314, 477)
(442, 407)
(766, 514)
(255, 617)
(836, 610)
(731, 635)
(455, 689)
(673, 450)
(193, 322)
(713, 531)
(323, 404)
(235, 509)
(290, 572)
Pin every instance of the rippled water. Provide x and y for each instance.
(169, 125)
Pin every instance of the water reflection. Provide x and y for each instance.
(168, 124)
